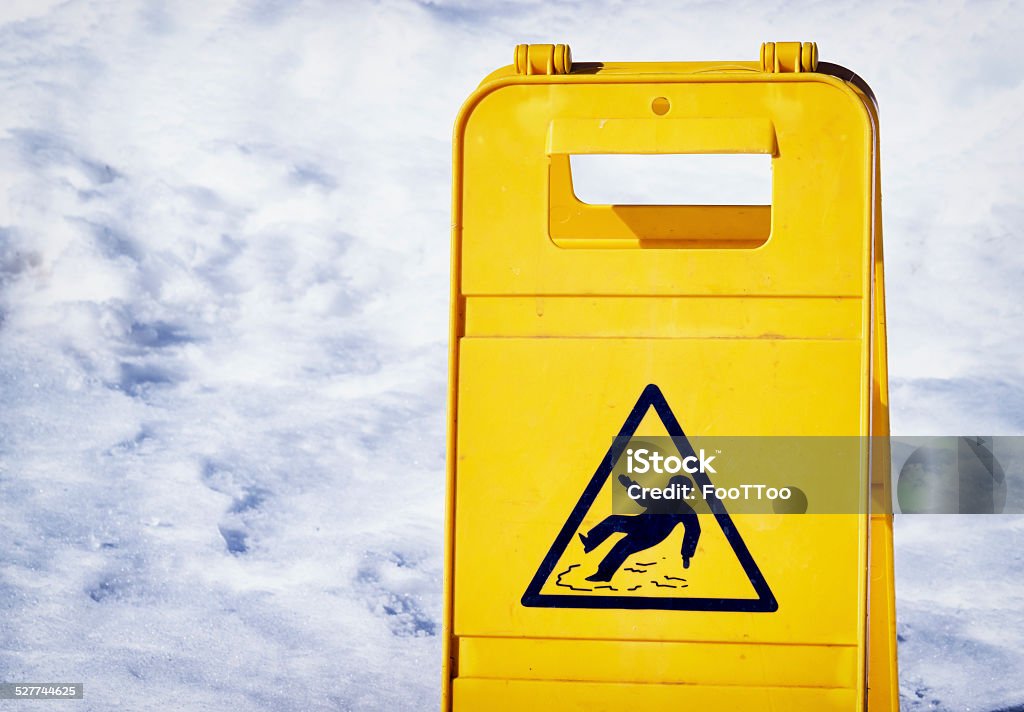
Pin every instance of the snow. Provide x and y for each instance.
(223, 287)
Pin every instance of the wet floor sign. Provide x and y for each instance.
(643, 569)
(596, 556)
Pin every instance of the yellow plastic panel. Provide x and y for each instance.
(659, 662)
(658, 135)
(666, 317)
(821, 201)
(882, 669)
(518, 695)
(571, 397)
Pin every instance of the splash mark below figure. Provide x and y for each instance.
(644, 530)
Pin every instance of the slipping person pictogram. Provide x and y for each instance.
(559, 579)
(644, 530)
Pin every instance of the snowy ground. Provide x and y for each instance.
(223, 283)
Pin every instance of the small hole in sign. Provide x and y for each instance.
(660, 106)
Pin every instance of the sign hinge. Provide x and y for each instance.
(779, 57)
(543, 59)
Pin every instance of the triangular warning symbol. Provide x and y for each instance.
(653, 575)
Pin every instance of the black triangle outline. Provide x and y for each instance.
(650, 398)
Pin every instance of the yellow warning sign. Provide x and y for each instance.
(642, 559)
(582, 331)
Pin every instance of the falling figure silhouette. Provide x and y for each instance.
(644, 530)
